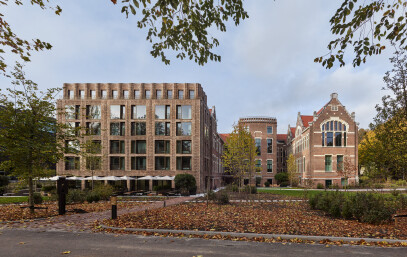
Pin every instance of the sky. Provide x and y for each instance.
(267, 66)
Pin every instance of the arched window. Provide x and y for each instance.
(333, 133)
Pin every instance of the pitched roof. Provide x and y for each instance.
(210, 111)
(293, 131)
(224, 137)
(305, 119)
(282, 137)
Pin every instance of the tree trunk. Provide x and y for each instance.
(30, 195)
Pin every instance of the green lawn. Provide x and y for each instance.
(294, 193)
(18, 199)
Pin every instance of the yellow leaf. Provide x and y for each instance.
(66, 252)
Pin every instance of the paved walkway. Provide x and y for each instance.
(249, 201)
(84, 222)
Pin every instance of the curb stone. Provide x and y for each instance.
(252, 235)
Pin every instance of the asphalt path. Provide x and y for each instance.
(20, 243)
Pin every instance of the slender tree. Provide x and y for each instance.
(91, 151)
(30, 137)
(240, 153)
(291, 168)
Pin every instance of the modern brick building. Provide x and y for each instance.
(325, 145)
(264, 132)
(143, 129)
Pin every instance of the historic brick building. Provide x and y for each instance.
(143, 129)
(325, 145)
(264, 132)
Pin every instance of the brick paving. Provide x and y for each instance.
(84, 222)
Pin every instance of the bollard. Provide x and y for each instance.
(164, 203)
(113, 201)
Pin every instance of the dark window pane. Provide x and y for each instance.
(329, 139)
(258, 146)
(328, 162)
(269, 145)
(93, 128)
(338, 138)
(162, 163)
(184, 163)
(323, 138)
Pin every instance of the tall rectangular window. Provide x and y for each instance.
(138, 112)
(147, 94)
(72, 112)
(257, 142)
(162, 112)
(138, 163)
(339, 162)
(184, 146)
(191, 94)
(117, 111)
(169, 94)
(93, 128)
(184, 163)
(72, 146)
(269, 165)
(269, 145)
(184, 128)
(162, 128)
(162, 163)
(159, 94)
(329, 139)
(180, 94)
(269, 130)
(336, 125)
(93, 112)
(93, 94)
(184, 112)
(103, 93)
(71, 94)
(258, 165)
(117, 146)
(117, 128)
(328, 162)
(162, 146)
(338, 138)
(136, 94)
(138, 128)
(344, 138)
(81, 94)
(73, 128)
(125, 94)
(117, 163)
(138, 146)
(115, 94)
(72, 163)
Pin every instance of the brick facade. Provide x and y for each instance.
(264, 130)
(322, 143)
(203, 135)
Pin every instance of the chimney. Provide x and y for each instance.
(315, 116)
(334, 95)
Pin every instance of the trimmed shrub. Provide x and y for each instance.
(284, 184)
(37, 198)
(222, 197)
(211, 196)
(365, 207)
(104, 191)
(281, 177)
(75, 196)
(92, 197)
(267, 184)
(320, 186)
(186, 183)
